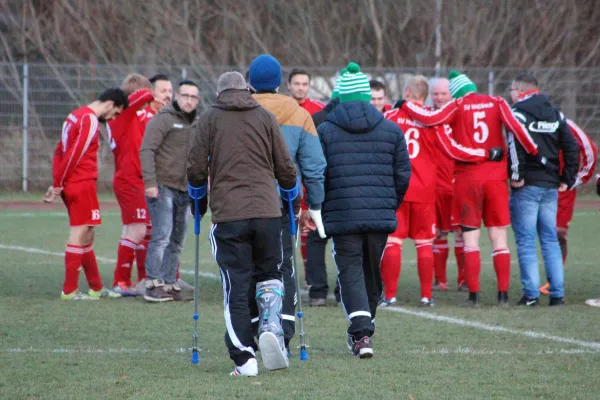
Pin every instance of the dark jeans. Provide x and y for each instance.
(248, 252)
(169, 213)
(316, 268)
(357, 258)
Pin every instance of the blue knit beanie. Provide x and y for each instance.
(265, 73)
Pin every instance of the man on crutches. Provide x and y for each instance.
(247, 156)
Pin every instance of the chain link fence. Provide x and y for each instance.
(35, 99)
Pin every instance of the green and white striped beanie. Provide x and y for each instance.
(354, 85)
(336, 89)
(460, 84)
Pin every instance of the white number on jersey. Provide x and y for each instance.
(480, 136)
(95, 215)
(141, 213)
(412, 144)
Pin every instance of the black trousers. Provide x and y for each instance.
(316, 268)
(357, 258)
(247, 252)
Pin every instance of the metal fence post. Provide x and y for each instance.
(25, 126)
(491, 82)
(183, 74)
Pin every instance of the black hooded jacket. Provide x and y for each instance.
(548, 128)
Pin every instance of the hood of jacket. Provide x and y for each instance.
(539, 107)
(355, 116)
(282, 106)
(236, 100)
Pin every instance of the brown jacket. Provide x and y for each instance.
(247, 153)
(165, 147)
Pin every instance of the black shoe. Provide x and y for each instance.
(503, 299)
(529, 302)
(557, 301)
(472, 301)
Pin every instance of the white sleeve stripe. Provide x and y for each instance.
(587, 149)
(428, 113)
(514, 159)
(512, 128)
(91, 133)
(459, 147)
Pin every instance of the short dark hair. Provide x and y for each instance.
(298, 71)
(116, 95)
(377, 85)
(187, 82)
(158, 77)
(527, 78)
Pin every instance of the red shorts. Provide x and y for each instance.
(443, 210)
(477, 200)
(82, 203)
(566, 206)
(132, 200)
(415, 221)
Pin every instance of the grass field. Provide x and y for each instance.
(128, 349)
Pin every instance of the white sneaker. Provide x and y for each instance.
(425, 302)
(273, 356)
(250, 368)
(593, 302)
(386, 303)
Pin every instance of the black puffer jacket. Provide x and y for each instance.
(367, 173)
(549, 130)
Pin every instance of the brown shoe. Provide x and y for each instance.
(316, 302)
(178, 295)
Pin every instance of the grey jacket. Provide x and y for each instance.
(165, 147)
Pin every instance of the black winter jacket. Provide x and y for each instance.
(367, 173)
(320, 116)
(549, 130)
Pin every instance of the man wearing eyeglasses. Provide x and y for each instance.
(163, 155)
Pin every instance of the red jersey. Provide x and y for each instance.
(386, 108)
(476, 121)
(587, 154)
(76, 155)
(422, 144)
(144, 116)
(125, 134)
(445, 168)
(312, 106)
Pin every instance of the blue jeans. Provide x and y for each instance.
(169, 214)
(533, 211)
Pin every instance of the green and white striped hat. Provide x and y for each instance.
(336, 89)
(354, 85)
(460, 84)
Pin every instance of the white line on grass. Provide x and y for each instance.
(421, 314)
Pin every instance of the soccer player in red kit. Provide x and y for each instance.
(75, 172)
(416, 215)
(480, 189)
(444, 192)
(566, 200)
(125, 134)
(299, 86)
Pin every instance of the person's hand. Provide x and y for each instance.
(495, 154)
(563, 187)
(315, 216)
(51, 194)
(517, 184)
(306, 223)
(152, 192)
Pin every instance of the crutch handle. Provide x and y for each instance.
(289, 195)
(197, 193)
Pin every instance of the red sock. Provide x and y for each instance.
(501, 259)
(425, 268)
(459, 253)
(73, 256)
(440, 258)
(140, 254)
(391, 265)
(90, 267)
(177, 275)
(125, 256)
(472, 268)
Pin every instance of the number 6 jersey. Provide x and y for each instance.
(476, 121)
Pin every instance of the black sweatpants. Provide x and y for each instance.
(247, 251)
(316, 268)
(288, 310)
(357, 258)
